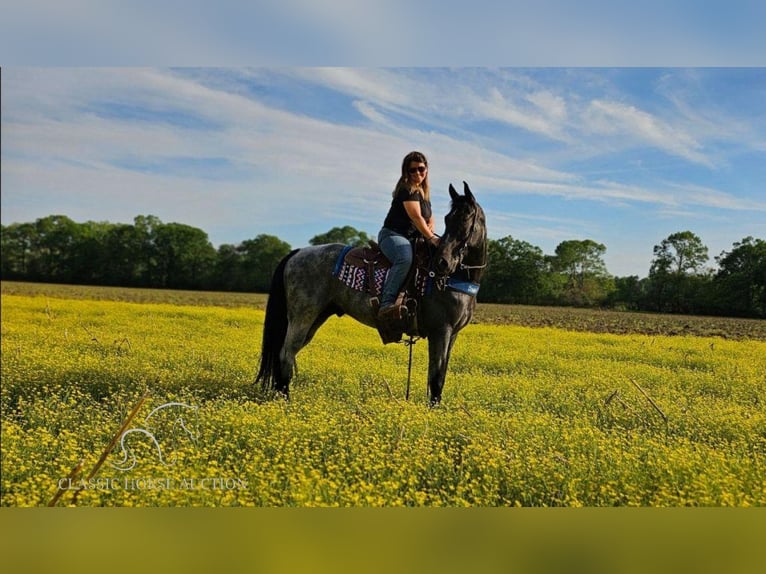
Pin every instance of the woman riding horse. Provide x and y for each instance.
(305, 293)
(409, 215)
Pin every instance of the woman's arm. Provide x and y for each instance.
(424, 227)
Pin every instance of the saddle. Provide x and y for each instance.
(371, 260)
(365, 268)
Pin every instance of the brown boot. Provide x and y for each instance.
(392, 313)
(391, 323)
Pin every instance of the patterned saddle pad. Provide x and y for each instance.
(354, 265)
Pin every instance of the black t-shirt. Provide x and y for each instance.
(397, 219)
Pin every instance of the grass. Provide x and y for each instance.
(569, 318)
(532, 416)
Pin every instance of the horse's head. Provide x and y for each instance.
(464, 243)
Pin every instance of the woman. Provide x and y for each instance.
(409, 216)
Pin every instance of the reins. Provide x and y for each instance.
(410, 344)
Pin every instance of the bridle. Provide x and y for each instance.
(463, 248)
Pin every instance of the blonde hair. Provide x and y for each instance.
(425, 188)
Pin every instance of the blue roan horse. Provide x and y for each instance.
(304, 294)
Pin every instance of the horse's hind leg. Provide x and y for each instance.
(293, 343)
(300, 331)
(306, 305)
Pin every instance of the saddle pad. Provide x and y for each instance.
(355, 276)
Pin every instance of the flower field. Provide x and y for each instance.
(531, 416)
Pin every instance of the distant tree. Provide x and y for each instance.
(739, 287)
(119, 257)
(628, 293)
(678, 254)
(346, 235)
(56, 235)
(17, 250)
(260, 256)
(228, 274)
(581, 263)
(184, 256)
(579, 259)
(515, 273)
(677, 276)
(147, 267)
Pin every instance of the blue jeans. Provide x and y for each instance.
(398, 250)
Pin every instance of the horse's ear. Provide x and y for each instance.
(468, 194)
(452, 193)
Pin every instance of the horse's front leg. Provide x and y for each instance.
(439, 349)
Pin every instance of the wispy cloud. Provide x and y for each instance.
(293, 151)
(688, 194)
(626, 121)
(520, 102)
(500, 108)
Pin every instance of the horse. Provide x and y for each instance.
(304, 294)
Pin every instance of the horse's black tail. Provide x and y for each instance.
(274, 331)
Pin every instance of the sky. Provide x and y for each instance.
(561, 126)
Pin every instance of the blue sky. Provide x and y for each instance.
(613, 120)
(623, 156)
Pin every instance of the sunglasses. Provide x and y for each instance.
(421, 169)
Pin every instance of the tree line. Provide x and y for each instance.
(151, 253)
(679, 279)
